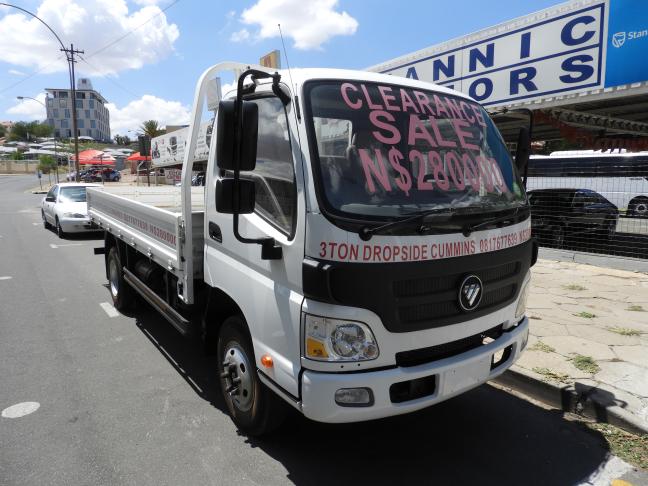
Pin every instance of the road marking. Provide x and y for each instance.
(6, 277)
(37, 224)
(109, 309)
(613, 469)
(52, 245)
(20, 409)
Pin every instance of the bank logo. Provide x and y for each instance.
(470, 292)
(618, 39)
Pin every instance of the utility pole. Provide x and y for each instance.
(70, 57)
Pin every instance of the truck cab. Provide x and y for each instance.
(365, 248)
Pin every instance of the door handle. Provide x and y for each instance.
(215, 232)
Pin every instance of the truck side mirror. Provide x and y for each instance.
(226, 136)
(523, 150)
(225, 189)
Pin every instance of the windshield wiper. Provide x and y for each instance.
(365, 232)
(470, 228)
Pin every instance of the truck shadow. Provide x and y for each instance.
(486, 436)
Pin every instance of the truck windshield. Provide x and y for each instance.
(384, 151)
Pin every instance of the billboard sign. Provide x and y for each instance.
(627, 43)
(558, 51)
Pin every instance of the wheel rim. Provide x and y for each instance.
(59, 230)
(237, 377)
(114, 278)
(641, 209)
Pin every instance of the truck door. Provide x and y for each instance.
(268, 291)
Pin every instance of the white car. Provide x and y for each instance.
(65, 208)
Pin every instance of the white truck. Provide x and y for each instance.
(361, 247)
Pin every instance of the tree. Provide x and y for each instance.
(151, 128)
(29, 130)
(3, 130)
(46, 163)
(17, 155)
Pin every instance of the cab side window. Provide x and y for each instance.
(274, 176)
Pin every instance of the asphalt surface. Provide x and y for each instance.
(125, 400)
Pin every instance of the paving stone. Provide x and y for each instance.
(545, 328)
(567, 345)
(552, 361)
(633, 354)
(603, 336)
(626, 376)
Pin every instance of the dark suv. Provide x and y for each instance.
(557, 214)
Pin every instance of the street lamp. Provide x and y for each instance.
(69, 52)
(22, 98)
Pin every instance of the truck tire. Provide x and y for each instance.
(122, 294)
(638, 207)
(253, 407)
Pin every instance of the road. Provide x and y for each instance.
(125, 400)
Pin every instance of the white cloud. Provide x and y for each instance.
(91, 25)
(240, 35)
(148, 107)
(29, 110)
(15, 72)
(310, 23)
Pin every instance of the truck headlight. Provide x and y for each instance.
(338, 340)
(522, 301)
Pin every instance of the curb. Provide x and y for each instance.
(39, 192)
(590, 401)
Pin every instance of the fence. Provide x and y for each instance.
(18, 166)
(595, 203)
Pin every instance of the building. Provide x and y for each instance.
(93, 118)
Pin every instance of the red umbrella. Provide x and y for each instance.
(137, 156)
(94, 157)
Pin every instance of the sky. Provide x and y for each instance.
(145, 56)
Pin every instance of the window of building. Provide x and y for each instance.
(87, 113)
(67, 113)
(93, 124)
(55, 113)
(63, 94)
(91, 104)
(62, 103)
(80, 96)
(80, 123)
(89, 132)
(79, 103)
(64, 123)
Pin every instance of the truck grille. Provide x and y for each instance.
(420, 295)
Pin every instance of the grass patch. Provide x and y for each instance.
(585, 315)
(574, 287)
(552, 375)
(585, 363)
(636, 308)
(629, 447)
(624, 331)
(540, 346)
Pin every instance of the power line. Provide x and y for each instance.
(119, 85)
(122, 37)
(29, 76)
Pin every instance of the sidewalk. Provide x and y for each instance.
(589, 328)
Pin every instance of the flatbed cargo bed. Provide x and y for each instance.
(150, 220)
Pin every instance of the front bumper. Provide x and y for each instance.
(452, 376)
(77, 225)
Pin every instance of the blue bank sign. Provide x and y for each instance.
(559, 51)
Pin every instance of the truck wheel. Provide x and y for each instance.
(59, 231)
(120, 291)
(253, 407)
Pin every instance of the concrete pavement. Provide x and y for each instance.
(589, 329)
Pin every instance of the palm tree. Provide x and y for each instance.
(151, 128)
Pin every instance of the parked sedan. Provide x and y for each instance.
(557, 214)
(65, 208)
